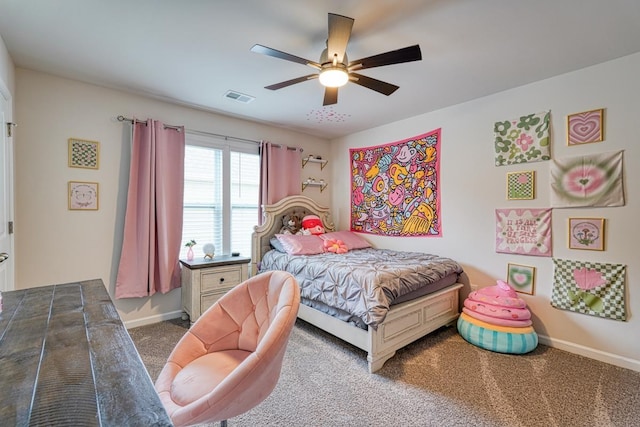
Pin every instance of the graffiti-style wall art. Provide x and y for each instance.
(523, 231)
(394, 187)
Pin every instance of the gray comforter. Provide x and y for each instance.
(362, 282)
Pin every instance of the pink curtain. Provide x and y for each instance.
(153, 221)
(280, 172)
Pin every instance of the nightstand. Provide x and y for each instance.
(204, 281)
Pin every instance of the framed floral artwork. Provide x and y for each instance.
(586, 233)
(521, 278)
(585, 127)
(83, 196)
(521, 185)
(84, 154)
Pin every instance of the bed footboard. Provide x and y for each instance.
(411, 320)
(404, 324)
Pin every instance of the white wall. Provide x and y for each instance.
(56, 245)
(472, 188)
(7, 69)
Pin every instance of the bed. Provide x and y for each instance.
(378, 328)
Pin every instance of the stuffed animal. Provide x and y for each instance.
(290, 224)
(313, 224)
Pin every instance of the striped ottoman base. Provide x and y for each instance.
(500, 339)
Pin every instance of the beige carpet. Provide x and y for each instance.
(440, 380)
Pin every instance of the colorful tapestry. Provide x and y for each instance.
(394, 187)
(589, 288)
(523, 231)
(592, 180)
(523, 140)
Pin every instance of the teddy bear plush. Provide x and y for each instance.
(290, 224)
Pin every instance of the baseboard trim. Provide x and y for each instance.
(602, 356)
(156, 318)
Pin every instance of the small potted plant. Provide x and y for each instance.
(190, 244)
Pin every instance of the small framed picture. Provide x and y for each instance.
(521, 277)
(585, 127)
(84, 154)
(521, 185)
(83, 196)
(586, 233)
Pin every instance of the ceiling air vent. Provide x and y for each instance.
(240, 97)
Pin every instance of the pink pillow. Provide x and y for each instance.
(349, 238)
(301, 244)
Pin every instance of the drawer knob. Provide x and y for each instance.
(221, 279)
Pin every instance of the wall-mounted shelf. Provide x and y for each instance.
(312, 159)
(311, 182)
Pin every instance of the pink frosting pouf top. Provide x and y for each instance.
(498, 305)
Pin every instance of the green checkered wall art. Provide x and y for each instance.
(521, 185)
(84, 154)
(589, 288)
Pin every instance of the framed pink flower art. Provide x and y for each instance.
(521, 185)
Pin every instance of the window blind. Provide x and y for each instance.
(220, 197)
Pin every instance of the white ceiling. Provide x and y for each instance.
(191, 52)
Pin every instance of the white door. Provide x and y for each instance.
(6, 197)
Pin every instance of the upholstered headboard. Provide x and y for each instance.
(272, 223)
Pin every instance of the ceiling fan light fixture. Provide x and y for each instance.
(333, 76)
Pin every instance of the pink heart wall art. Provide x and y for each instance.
(585, 127)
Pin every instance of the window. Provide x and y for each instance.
(221, 184)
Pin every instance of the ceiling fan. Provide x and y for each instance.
(334, 68)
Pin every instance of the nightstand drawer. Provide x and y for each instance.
(208, 300)
(221, 278)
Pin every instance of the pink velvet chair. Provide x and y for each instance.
(230, 359)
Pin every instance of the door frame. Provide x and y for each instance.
(10, 200)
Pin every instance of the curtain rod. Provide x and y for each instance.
(199, 132)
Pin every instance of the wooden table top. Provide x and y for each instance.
(67, 359)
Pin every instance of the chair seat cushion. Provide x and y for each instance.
(204, 374)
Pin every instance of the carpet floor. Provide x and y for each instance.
(439, 380)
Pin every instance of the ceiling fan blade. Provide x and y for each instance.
(339, 34)
(258, 48)
(291, 82)
(330, 96)
(373, 84)
(407, 54)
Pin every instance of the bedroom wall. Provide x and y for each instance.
(472, 188)
(55, 245)
(7, 69)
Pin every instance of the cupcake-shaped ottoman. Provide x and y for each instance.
(496, 319)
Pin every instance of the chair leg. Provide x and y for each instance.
(223, 423)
